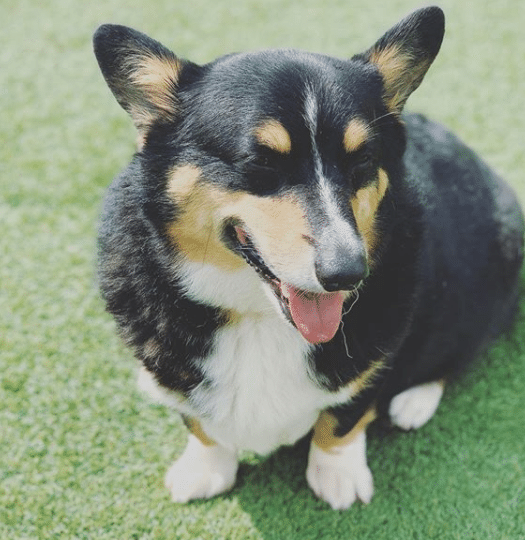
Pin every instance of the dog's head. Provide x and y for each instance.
(277, 159)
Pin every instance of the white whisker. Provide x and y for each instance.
(343, 323)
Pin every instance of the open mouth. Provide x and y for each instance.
(317, 316)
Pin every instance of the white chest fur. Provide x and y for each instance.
(261, 395)
(258, 393)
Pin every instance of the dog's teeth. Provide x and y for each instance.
(285, 291)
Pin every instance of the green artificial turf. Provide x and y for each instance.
(82, 453)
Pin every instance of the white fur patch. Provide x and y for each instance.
(311, 115)
(240, 290)
(415, 407)
(341, 475)
(336, 221)
(201, 472)
(259, 393)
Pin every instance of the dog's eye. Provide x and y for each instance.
(261, 175)
(361, 166)
(361, 160)
(261, 162)
(258, 163)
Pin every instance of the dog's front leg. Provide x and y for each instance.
(204, 469)
(337, 469)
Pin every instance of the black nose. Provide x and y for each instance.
(342, 271)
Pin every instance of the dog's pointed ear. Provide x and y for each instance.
(404, 54)
(142, 74)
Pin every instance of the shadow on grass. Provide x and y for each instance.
(458, 475)
(274, 492)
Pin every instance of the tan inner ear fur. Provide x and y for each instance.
(157, 78)
(277, 224)
(391, 63)
(365, 204)
(274, 135)
(399, 71)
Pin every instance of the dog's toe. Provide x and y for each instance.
(201, 472)
(340, 477)
(415, 407)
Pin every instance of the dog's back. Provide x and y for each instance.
(470, 256)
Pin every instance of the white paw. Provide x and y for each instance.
(341, 475)
(201, 472)
(416, 406)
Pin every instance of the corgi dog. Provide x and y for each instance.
(288, 252)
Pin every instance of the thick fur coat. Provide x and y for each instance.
(288, 251)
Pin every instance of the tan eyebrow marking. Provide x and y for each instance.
(274, 135)
(356, 134)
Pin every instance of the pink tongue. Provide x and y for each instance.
(317, 316)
